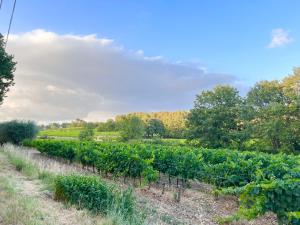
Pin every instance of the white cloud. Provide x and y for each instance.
(280, 37)
(63, 77)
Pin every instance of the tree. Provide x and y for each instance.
(215, 118)
(132, 127)
(109, 125)
(155, 127)
(87, 134)
(7, 69)
(174, 122)
(275, 107)
(17, 131)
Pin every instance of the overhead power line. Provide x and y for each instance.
(10, 21)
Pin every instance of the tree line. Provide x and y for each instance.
(266, 119)
(137, 125)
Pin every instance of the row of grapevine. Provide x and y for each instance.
(265, 182)
(279, 196)
(119, 160)
(222, 167)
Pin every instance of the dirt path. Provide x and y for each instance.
(55, 213)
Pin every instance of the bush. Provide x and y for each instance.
(17, 131)
(132, 127)
(92, 193)
(87, 134)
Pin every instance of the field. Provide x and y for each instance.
(74, 133)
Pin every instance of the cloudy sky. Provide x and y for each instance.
(96, 60)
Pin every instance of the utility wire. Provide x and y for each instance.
(10, 21)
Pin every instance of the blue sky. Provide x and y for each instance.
(224, 37)
(227, 36)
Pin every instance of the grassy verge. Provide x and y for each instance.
(18, 209)
(31, 170)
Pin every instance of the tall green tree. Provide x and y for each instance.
(132, 127)
(155, 127)
(275, 109)
(87, 134)
(17, 131)
(215, 118)
(7, 69)
(174, 122)
(109, 125)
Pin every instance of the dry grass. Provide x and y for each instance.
(18, 209)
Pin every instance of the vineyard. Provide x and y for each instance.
(263, 182)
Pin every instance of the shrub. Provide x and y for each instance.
(17, 131)
(132, 127)
(87, 134)
(92, 193)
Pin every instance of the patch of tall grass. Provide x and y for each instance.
(30, 169)
(96, 195)
(18, 209)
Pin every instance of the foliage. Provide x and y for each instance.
(174, 122)
(267, 119)
(278, 196)
(109, 125)
(222, 167)
(214, 120)
(275, 113)
(55, 148)
(132, 127)
(7, 69)
(155, 127)
(87, 134)
(17, 131)
(87, 154)
(92, 193)
(264, 182)
(293, 218)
